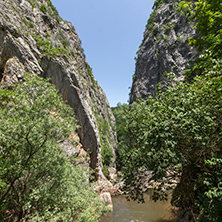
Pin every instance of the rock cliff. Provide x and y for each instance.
(164, 48)
(34, 39)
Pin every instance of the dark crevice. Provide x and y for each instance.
(1, 70)
(1, 75)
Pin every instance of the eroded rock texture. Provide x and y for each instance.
(33, 38)
(164, 49)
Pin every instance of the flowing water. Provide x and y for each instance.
(131, 211)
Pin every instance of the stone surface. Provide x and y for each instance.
(106, 199)
(112, 174)
(13, 72)
(40, 42)
(164, 49)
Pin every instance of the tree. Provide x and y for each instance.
(180, 131)
(37, 181)
(208, 42)
(209, 26)
(120, 113)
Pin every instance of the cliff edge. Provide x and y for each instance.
(164, 48)
(34, 39)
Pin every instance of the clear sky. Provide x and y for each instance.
(111, 32)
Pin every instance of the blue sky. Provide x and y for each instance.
(111, 32)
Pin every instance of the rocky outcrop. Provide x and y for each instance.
(164, 48)
(35, 39)
(106, 199)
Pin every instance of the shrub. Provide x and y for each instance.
(48, 48)
(37, 181)
(43, 8)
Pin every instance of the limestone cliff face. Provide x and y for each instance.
(33, 38)
(164, 48)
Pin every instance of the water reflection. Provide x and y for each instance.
(131, 211)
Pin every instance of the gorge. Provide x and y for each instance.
(36, 40)
(61, 144)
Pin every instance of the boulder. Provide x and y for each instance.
(106, 199)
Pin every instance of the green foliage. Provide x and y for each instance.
(90, 74)
(209, 26)
(37, 181)
(166, 38)
(157, 3)
(135, 77)
(181, 127)
(186, 8)
(33, 3)
(72, 52)
(106, 151)
(159, 38)
(120, 112)
(206, 64)
(139, 49)
(48, 48)
(28, 24)
(138, 52)
(209, 40)
(58, 18)
(63, 41)
(43, 8)
(180, 40)
(167, 27)
(150, 22)
(48, 34)
(180, 131)
(31, 24)
(209, 201)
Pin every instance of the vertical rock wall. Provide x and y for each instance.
(33, 35)
(164, 48)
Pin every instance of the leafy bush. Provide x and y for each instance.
(209, 40)
(43, 8)
(209, 26)
(63, 41)
(37, 181)
(106, 151)
(150, 21)
(33, 3)
(48, 48)
(120, 112)
(180, 131)
(58, 18)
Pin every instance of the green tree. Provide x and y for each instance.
(37, 181)
(120, 113)
(209, 26)
(180, 131)
(208, 41)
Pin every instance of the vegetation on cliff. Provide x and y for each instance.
(37, 181)
(180, 130)
(120, 113)
(45, 44)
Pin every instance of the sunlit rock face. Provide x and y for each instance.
(164, 49)
(33, 38)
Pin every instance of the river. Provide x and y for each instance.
(131, 211)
